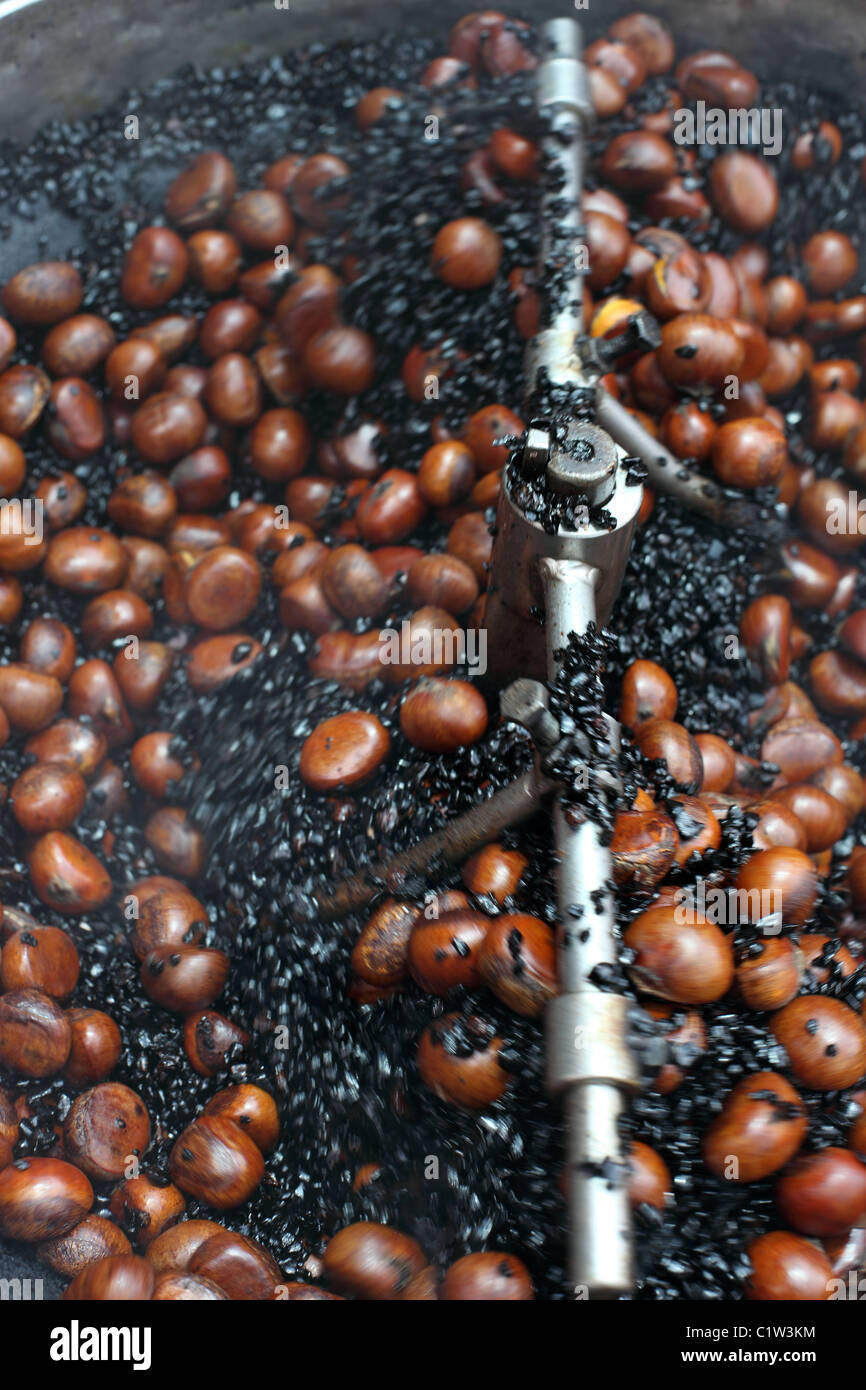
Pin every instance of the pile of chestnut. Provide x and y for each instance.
(340, 545)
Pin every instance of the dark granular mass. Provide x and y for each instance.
(345, 1077)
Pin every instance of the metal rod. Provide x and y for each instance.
(562, 94)
(588, 1060)
(454, 843)
(669, 474)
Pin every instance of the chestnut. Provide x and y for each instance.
(643, 847)
(442, 581)
(218, 659)
(744, 191)
(208, 1038)
(116, 615)
(649, 1181)
(92, 1239)
(830, 261)
(94, 1050)
(47, 796)
(786, 1268)
(825, 1040)
(171, 1251)
(178, 846)
(8, 1121)
(689, 963)
(167, 426)
(76, 423)
(143, 503)
(222, 588)
(343, 751)
(154, 268)
(43, 293)
(380, 954)
(242, 1268)
(491, 1277)
(316, 189)
(822, 817)
(63, 498)
(459, 1059)
(391, 508)
(688, 431)
(184, 978)
(517, 961)
(647, 693)
(41, 1198)
(649, 37)
(800, 748)
(718, 761)
(823, 1193)
(78, 345)
(85, 560)
(769, 976)
(341, 359)
(749, 453)
(41, 958)
(216, 1162)
(838, 684)
(66, 875)
(202, 479)
(494, 871)
(230, 327)
(35, 1036)
(105, 1129)
(370, 1261)
(353, 584)
(279, 445)
(233, 391)
(762, 1124)
(201, 193)
(444, 952)
(186, 1288)
(24, 394)
(144, 1208)
(253, 1109)
(784, 880)
(214, 260)
(673, 744)
(114, 1279)
(308, 307)
(441, 716)
(639, 161)
(48, 646)
(67, 740)
(141, 675)
(819, 148)
(447, 473)
(8, 343)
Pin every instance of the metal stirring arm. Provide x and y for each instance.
(572, 577)
(588, 1062)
